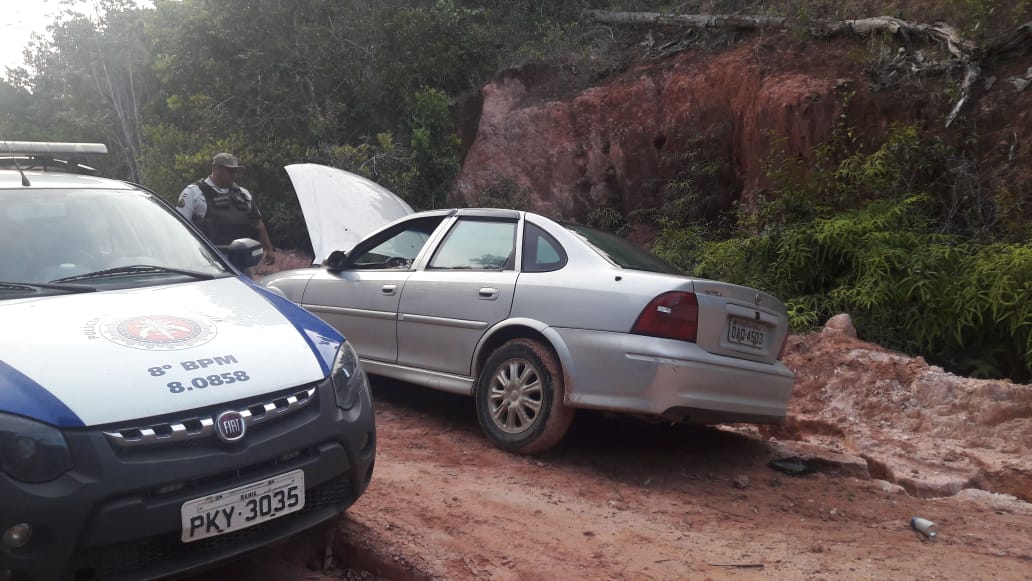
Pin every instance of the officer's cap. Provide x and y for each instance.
(226, 160)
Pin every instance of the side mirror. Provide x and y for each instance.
(245, 253)
(336, 261)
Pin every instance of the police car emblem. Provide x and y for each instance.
(158, 332)
(230, 426)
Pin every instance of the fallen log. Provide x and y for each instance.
(963, 53)
(943, 33)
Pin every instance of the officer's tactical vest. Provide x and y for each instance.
(228, 216)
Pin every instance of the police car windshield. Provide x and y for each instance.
(49, 235)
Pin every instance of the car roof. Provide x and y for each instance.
(10, 179)
(479, 212)
(488, 212)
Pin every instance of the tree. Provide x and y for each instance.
(435, 147)
(89, 78)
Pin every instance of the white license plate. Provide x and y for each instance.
(745, 332)
(242, 507)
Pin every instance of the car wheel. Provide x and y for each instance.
(519, 398)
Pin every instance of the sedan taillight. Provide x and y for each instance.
(672, 315)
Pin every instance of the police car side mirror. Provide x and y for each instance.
(336, 261)
(245, 253)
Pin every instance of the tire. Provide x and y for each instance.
(519, 398)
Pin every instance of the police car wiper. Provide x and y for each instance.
(136, 269)
(35, 286)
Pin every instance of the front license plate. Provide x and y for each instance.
(745, 332)
(242, 507)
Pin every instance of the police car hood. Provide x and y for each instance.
(340, 208)
(117, 356)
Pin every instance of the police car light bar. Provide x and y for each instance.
(50, 148)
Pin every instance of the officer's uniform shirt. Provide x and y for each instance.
(192, 203)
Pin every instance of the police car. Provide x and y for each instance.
(158, 410)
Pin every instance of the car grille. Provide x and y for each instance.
(156, 552)
(204, 426)
(230, 477)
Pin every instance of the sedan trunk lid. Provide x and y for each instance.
(738, 321)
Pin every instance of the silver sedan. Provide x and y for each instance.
(535, 318)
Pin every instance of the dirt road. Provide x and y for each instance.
(621, 499)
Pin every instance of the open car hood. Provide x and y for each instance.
(340, 208)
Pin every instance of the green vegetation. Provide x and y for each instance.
(982, 17)
(882, 235)
(901, 233)
(505, 192)
(367, 86)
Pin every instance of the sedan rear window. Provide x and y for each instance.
(621, 252)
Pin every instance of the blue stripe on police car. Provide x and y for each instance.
(20, 394)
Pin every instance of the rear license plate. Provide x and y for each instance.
(745, 332)
(242, 507)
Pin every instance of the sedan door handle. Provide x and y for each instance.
(487, 293)
(389, 289)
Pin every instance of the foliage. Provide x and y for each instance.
(435, 147)
(286, 225)
(605, 218)
(381, 159)
(438, 43)
(305, 77)
(504, 192)
(900, 232)
(907, 286)
(362, 85)
(17, 114)
(701, 189)
(682, 246)
(884, 236)
(982, 18)
(95, 82)
(843, 174)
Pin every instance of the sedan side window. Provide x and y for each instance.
(400, 248)
(478, 245)
(541, 252)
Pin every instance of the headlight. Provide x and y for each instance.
(348, 378)
(31, 451)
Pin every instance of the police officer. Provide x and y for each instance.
(223, 210)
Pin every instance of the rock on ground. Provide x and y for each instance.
(930, 431)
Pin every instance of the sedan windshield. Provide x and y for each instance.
(97, 238)
(621, 252)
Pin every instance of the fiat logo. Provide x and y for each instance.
(230, 426)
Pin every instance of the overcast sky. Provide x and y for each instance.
(21, 18)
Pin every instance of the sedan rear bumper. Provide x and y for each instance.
(669, 378)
